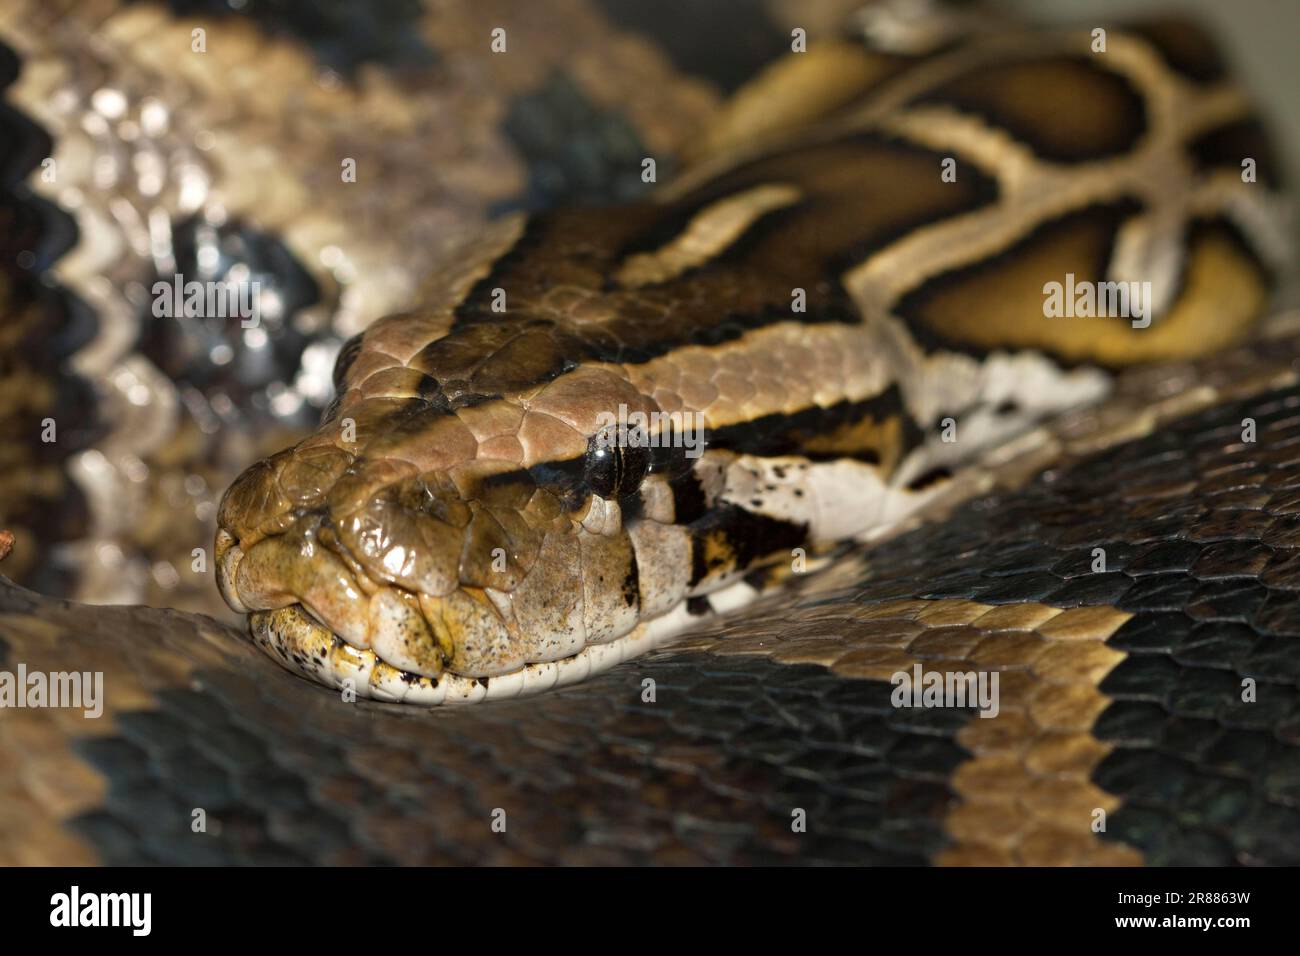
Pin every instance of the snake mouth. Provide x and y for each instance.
(308, 573)
(477, 569)
(317, 610)
(404, 648)
(301, 644)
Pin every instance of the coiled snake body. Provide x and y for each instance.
(834, 326)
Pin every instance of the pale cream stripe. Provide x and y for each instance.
(709, 232)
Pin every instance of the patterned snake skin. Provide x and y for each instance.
(766, 735)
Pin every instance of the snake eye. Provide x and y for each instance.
(671, 461)
(614, 470)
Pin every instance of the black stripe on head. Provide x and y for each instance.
(876, 430)
(572, 480)
(563, 479)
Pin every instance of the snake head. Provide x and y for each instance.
(430, 542)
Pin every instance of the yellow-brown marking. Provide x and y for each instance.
(1026, 793)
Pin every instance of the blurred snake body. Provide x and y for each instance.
(843, 301)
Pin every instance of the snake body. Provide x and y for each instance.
(843, 304)
(838, 297)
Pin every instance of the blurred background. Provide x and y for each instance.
(1262, 38)
(725, 39)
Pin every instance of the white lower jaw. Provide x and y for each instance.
(293, 639)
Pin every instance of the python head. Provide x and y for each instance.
(428, 543)
(501, 502)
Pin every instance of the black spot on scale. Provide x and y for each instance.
(632, 582)
(698, 606)
(471, 399)
(926, 479)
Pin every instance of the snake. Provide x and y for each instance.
(723, 418)
(806, 312)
